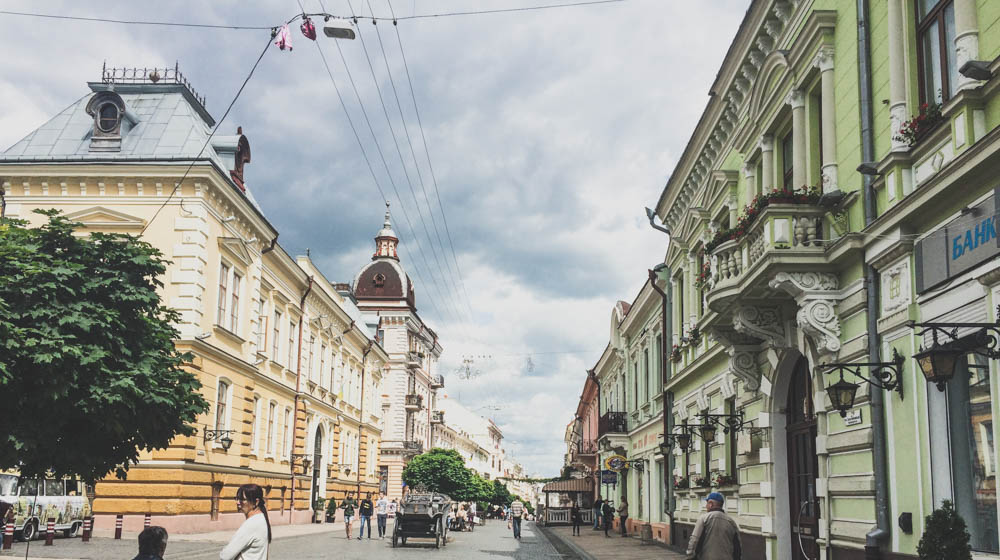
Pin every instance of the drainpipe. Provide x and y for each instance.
(880, 534)
(271, 247)
(298, 384)
(668, 396)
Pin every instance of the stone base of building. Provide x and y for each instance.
(104, 524)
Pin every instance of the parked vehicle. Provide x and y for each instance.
(31, 503)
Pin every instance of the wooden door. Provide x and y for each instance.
(803, 466)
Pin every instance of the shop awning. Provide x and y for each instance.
(571, 485)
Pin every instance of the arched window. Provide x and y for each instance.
(222, 405)
(108, 117)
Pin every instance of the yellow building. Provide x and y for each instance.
(291, 372)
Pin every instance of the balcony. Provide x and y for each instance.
(783, 238)
(587, 447)
(413, 447)
(414, 359)
(437, 381)
(613, 423)
(414, 402)
(437, 417)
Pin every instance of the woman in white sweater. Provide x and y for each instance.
(254, 536)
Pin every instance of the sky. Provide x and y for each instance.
(547, 133)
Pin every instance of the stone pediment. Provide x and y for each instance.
(237, 248)
(99, 217)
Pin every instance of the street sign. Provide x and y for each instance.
(616, 463)
(609, 477)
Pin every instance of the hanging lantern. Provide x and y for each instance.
(683, 440)
(842, 395)
(938, 363)
(708, 432)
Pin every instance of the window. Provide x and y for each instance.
(261, 327)
(270, 427)
(660, 374)
(234, 313)
(286, 437)
(635, 384)
(223, 279)
(936, 53)
(291, 346)
(221, 406)
(108, 117)
(731, 437)
(786, 162)
(255, 430)
(54, 487)
(973, 451)
(310, 371)
(276, 335)
(322, 363)
(645, 370)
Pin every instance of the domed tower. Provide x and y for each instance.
(384, 277)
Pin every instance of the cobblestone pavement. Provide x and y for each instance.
(593, 545)
(491, 541)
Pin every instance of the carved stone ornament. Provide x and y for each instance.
(815, 293)
(742, 350)
(761, 322)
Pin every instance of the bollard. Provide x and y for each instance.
(118, 527)
(50, 531)
(8, 535)
(147, 521)
(88, 523)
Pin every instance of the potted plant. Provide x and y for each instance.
(700, 482)
(913, 130)
(331, 510)
(704, 277)
(675, 354)
(945, 536)
(719, 479)
(318, 510)
(680, 482)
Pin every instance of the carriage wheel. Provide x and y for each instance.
(437, 534)
(395, 533)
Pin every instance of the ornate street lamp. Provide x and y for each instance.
(884, 375)
(221, 436)
(938, 363)
(708, 431)
(683, 439)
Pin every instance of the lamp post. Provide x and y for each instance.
(221, 436)
(884, 375)
(939, 361)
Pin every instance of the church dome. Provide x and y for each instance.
(384, 277)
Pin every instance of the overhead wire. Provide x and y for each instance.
(218, 125)
(413, 155)
(402, 161)
(423, 136)
(392, 182)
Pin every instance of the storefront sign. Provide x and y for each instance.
(963, 243)
(615, 463)
(609, 477)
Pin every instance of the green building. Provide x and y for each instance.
(839, 185)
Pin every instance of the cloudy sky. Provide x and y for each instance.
(548, 132)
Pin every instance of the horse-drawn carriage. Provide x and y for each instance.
(422, 515)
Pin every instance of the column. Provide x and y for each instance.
(797, 100)
(824, 61)
(767, 162)
(966, 39)
(750, 183)
(692, 293)
(897, 73)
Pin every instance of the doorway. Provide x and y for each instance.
(803, 466)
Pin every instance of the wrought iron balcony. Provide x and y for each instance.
(613, 423)
(414, 402)
(437, 417)
(437, 381)
(783, 237)
(413, 446)
(587, 447)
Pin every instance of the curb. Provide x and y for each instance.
(554, 538)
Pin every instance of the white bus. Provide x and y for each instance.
(30, 504)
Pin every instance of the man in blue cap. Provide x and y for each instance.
(716, 536)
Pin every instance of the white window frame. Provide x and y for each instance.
(225, 269)
(236, 285)
(255, 429)
(227, 412)
(287, 435)
(276, 343)
(272, 410)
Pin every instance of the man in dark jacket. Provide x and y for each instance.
(152, 543)
(598, 503)
(365, 510)
(608, 513)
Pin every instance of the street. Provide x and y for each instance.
(488, 541)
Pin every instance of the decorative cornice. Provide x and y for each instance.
(824, 58)
(762, 322)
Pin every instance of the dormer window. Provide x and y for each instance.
(107, 120)
(107, 108)
(379, 281)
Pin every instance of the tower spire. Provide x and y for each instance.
(386, 240)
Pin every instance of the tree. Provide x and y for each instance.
(501, 495)
(89, 374)
(439, 470)
(945, 536)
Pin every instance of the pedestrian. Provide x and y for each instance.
(574, 517)
(473, 520)
(716, 536)
(598, 503)
(252, 539)
(348, 505)
(365, 511)
(152, 543)
(608, 515)
(331, 510)
(623, 516)
(382, 511)
(516, 511)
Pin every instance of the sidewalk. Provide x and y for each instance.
(277, 531)
(592, 545)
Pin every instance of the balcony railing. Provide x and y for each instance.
(413, 446)
(789, 234)
(437, 417)
(414, 359)
(414, 401)
(587, 447)
(437, 381)
(613, 423)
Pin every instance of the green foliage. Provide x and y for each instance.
(89, 374)
(501, 495)
(439, 470)
(945, 536)
(331, 506)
